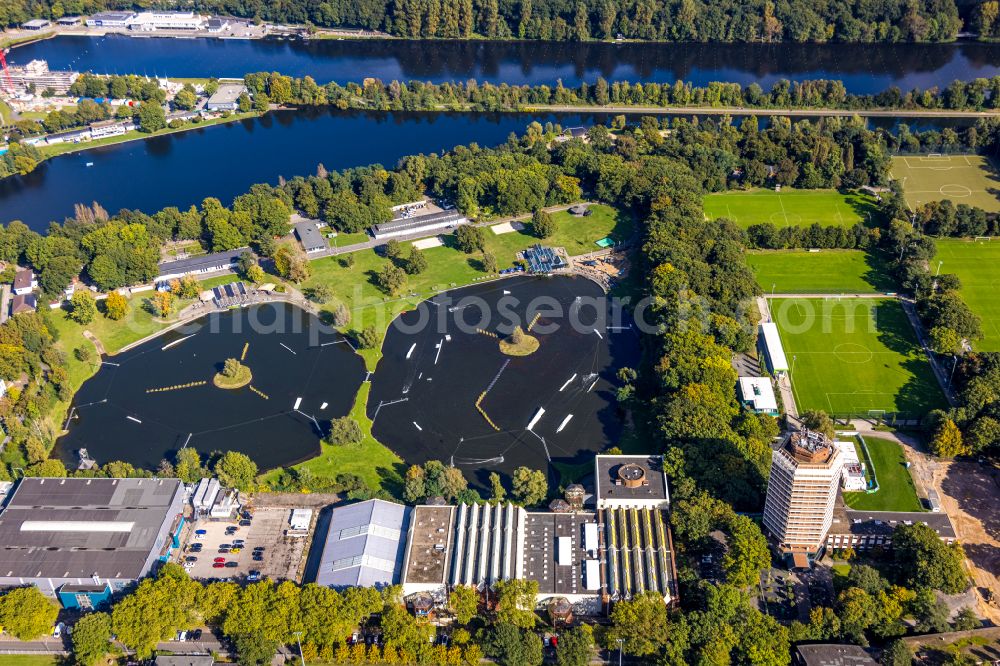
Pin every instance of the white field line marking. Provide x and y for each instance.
(298, 401)
(132, 418)
(287, 347)
(412, 347)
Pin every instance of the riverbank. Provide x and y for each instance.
(135, 135)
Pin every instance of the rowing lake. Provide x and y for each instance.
(302, 372)
(223, 161)
(864, 68)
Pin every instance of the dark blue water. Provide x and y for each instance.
(223, 161)
(292, 357)
(864, 68)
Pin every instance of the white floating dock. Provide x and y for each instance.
(564, 422)
(175, 342)
(417, 425)
(563, 387)
(536, 417)
(323, 406)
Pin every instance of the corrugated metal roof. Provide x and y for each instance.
(364, 545)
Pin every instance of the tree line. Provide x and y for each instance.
(975, 94)
(562, 20)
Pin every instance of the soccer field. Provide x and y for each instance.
(854, 356)
(823, 272)
(977, 265)
(968, 179)
(790, 207)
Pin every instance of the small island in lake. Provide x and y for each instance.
(234, 375)
(519, 343)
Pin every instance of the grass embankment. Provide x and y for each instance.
(823, 272)
(896, 490)
(791, 208)
(447, 268)
(379, 466)
(135, 135)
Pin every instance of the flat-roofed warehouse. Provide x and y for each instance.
(226, 98)
(55, 531)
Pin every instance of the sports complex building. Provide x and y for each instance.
(83, 539)
(586, 552)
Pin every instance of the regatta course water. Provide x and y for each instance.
(864, 68)
(223, 161)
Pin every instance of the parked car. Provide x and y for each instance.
(196, 635)
(259, 549)
(245, 523)
(57, 631)
(190, 558)
(239, 542)
(253, 576)
(219, 559)
(235, 550)
(231, 565)
(218, 565)
(181, 636)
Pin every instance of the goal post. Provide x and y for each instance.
(982, 238)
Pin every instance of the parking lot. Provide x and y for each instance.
(281, 558)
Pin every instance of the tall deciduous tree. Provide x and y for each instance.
(27, 614)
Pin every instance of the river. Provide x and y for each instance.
(864, 68)
(223, 161)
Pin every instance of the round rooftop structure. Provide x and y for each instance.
(632, 475)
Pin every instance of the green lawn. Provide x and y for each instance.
(854, 355)
(29, 660)
(791, 207)
(896, 490)
(977, 264)
(826, 271)
(447, 267)
(968, 179)
(375, 463)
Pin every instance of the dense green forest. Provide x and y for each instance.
(563, 20)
